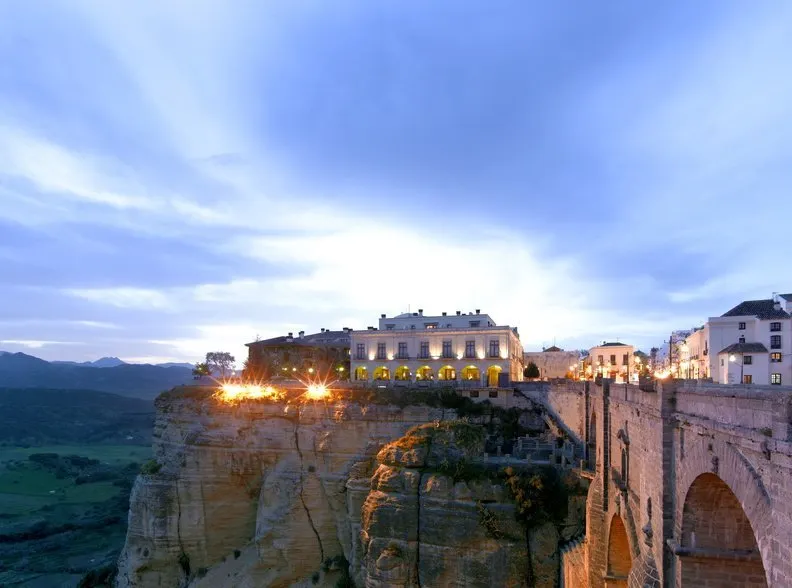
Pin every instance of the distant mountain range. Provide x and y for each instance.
(19, 370)
(108, 362)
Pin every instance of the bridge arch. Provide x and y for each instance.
(723, 515)
(620, 559)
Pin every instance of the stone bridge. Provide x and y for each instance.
(691, 484)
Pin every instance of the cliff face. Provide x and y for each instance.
(421, 528)
(276, 494)
(266, 479)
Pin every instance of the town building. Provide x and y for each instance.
(323, 355)
(752, 342)
(613, 360)
(554, 362)
(413, 347)
(694, 358)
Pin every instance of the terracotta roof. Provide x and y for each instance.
(745, 348)
(762, 309)
(613, 344)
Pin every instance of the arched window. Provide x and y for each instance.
(447, 372)
(471, 372)
(382, 373)
(361, 373)
(424, 373)
(403, 373)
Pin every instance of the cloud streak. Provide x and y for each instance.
(261, 167)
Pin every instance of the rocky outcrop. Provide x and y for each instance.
(425, 524)
(268, 493)
(263, 480)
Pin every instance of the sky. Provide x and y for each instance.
(178, 177)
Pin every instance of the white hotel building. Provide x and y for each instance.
(412, 347)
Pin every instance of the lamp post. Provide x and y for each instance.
(732, 359)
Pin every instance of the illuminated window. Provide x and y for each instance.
(775, 357)
(775, 379)
(741, 326)
(747, 379)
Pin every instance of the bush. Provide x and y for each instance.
(237, 553)
(150, 467)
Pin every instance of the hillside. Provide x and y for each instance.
(35, 416)
(18, 370)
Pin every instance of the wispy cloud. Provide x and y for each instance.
(265, 167)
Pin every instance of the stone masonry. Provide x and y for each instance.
(691, 484)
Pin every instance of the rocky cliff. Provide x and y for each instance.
(268, 493)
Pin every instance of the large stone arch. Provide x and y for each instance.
(725, 463)
(620, 554)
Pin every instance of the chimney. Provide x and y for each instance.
(301, 334)
(322, 330)
(444, 313)
(420, 311)
(370, 328)
(459, 312)
(478, 311)
(382, 315)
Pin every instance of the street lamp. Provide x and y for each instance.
(732, 359)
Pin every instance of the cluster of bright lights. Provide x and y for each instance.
(239, 392)
(662, 375)
(317, 392)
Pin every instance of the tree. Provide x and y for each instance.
(531, 371)
(220, 362)
(201, 369)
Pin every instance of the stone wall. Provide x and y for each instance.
(652, 452)
(574, 565)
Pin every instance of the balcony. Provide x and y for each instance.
(402, 356)
(360, 356)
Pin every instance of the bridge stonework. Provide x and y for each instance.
(691, 484)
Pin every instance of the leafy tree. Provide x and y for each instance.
(220, 361)
(531, 371)
(201, 369)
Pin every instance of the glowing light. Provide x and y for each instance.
(459, 355)
(732, 358)
(238, 392)
(310, 370)
(390, 357)
(317, 392)
(371, 356)
(294, 369)
(662, 375)
(480, 355)
(340, 368)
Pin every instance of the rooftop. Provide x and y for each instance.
(745, 348)
(324, 337)
(762, 309)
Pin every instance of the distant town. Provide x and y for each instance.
(748, 344)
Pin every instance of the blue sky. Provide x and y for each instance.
(179, 177)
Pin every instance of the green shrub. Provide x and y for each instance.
(150, 467)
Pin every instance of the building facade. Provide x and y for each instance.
(694, 355)
(322, 355)
(613, 360)
(554, 362)
(752, 343)
(413, 347)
